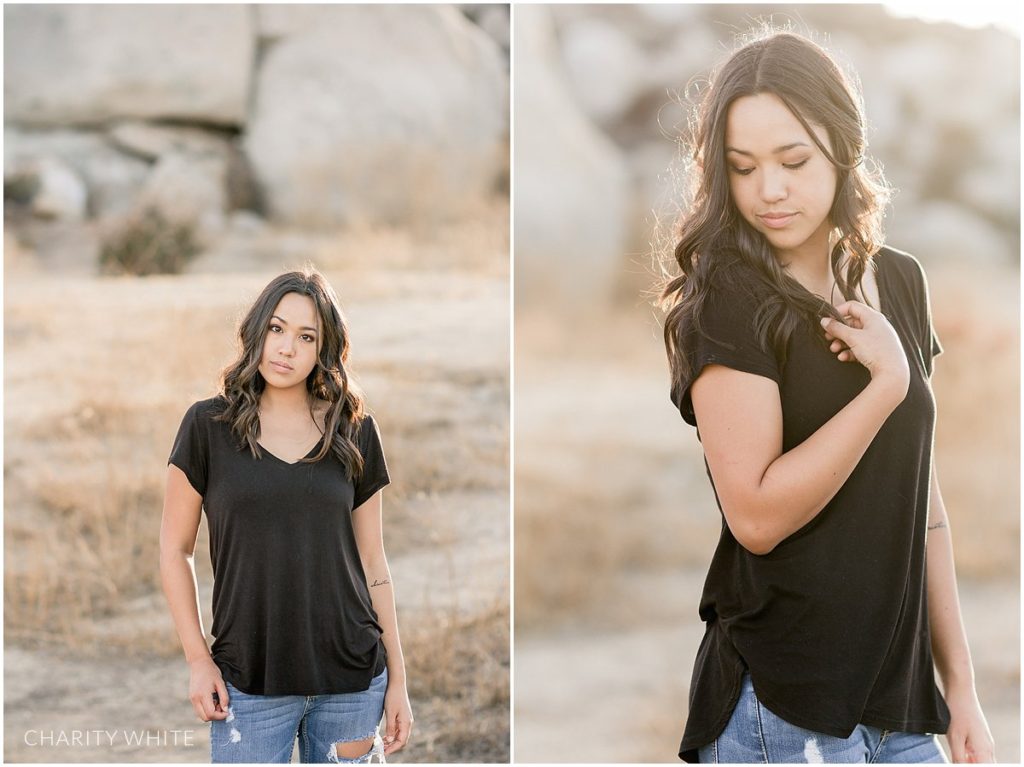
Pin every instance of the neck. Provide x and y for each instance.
(291, 400)
(811, 264)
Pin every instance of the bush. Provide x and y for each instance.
(147, 242)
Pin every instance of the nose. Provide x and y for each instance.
(773, 185)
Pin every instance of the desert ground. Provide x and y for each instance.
(98, 373)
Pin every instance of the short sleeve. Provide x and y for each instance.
(190, 452)
(729, 338)
(931, 346)
(375, 469)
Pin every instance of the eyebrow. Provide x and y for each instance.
(777, 150)
(285, 322)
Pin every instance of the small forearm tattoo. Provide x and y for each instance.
(379, 583)
(937, 525)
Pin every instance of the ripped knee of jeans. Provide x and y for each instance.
(375, 751)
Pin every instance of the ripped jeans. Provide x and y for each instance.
(755, 735)
(263, 728)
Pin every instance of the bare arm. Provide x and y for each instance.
(368, 527)
(766, 494)
(179, 527)
(969, 737)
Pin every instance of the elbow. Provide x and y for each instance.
(755, 543)
(171, 555)
(751, 533)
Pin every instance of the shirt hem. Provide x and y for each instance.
(688, 749)
(367, 495)
(866, 718)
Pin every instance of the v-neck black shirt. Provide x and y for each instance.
(833, 622)
(292, 613)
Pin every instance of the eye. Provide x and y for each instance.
(307, 335)
(274, 326)
(794, 165)
(741, 171)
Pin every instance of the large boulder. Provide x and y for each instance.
(88, 64)
(606, 70)
(572, 187)
(385, 114)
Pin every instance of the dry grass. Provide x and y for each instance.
(458, 669)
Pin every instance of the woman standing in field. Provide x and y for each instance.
(289, 468)
(802, 350)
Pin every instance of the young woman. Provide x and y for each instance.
(289, 468)
(802, 349)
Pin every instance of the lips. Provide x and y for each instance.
(776, 220)
(281, 366)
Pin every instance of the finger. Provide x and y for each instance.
(211, 708)
(403, 732)
(198, 708)
(836, 328)
(222, 695)
(401, 736)
(852, 309)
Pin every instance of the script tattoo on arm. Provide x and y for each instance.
(940, 523)
(379, 583)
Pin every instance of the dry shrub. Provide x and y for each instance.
(147, 242)
(84, 554)
(458, 672)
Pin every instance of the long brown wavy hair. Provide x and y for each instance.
(241, 383)
(713, 233)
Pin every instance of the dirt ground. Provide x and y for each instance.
(98, 372)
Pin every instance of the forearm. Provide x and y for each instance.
(382, 594)
(798, 484)
(949, 639)
(178, 579)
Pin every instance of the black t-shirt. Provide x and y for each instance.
(833, 622)
(292, 613)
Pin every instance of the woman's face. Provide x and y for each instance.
(780, 181)
(292, 340)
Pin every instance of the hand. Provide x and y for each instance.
(868, 338)
(970, 740)
(397, 716)
(206, 680)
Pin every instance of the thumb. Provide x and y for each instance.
(392, 724)
(959, 751)
(222, 695)
(837, 328)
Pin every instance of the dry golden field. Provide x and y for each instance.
(616, 521)
(99, 372)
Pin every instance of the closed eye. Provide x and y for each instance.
(748, 171)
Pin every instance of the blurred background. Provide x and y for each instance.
(615, 518)
(161, 164)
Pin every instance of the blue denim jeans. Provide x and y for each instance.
(754, 735)
(263, 728)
